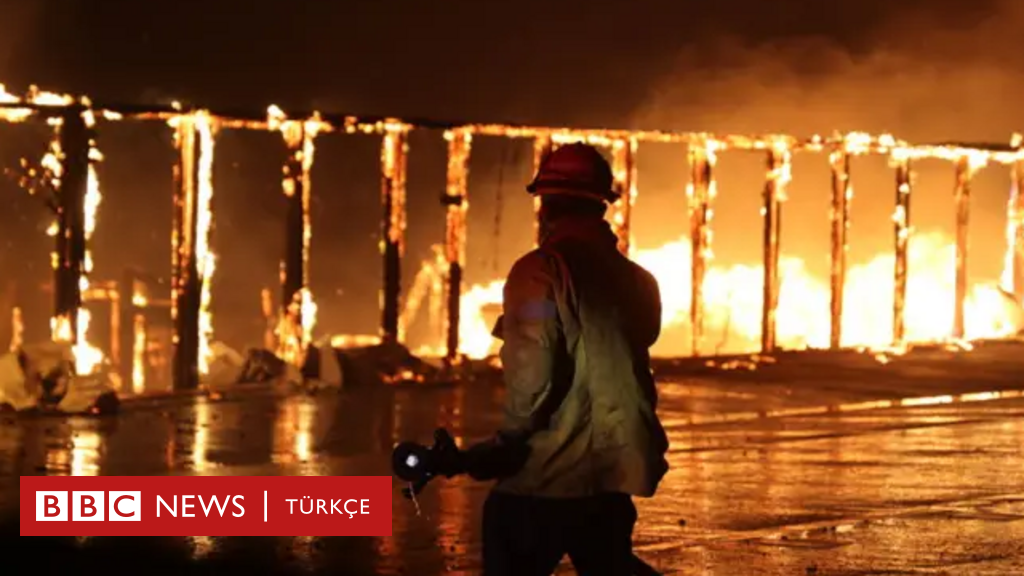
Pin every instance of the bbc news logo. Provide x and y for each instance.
(211, 505)
(89, 506)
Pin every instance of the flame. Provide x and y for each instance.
(293, 339)
(206, 260)
(50, 163)
(474, 329)
(309, 311)
(140, 341)
(355, 340)
(474, 332)
(625, 176)
(139, 354)
(1014, 226)
(17, 329)
(88, 357)
(733, 302)
(394, 149)
(295, 326)
(428, 284)
(733, 294)
(197, 129)
(35, 97)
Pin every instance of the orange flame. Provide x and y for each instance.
(733, 302)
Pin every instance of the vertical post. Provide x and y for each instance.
(779, 175)
(700, 193)
(1015, 216)
(114, 301)
(205, 128)
(393, 163)
(126, 327)
(293, 266)
(842, 194)
(270, 340)
(542, 146)
(624, 169)
(456, 204)
(297, 309)
(74, 137)
(901, 221)
(185, 281)
(437, 304)
(962, 199)
(140, 358)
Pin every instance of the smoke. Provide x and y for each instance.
(925, 77)
(921, 78)
(19, 20)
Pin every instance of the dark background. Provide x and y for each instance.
(921, 69)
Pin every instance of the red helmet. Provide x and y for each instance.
(575, 170)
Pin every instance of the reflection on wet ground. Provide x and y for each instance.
(766, 478)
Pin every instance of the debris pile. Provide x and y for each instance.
(323, 366)
(42, 377)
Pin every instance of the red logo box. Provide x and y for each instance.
(206, 505)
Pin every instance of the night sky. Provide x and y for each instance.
(529, 61)
(922, 69)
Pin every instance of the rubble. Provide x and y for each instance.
(42, 377)
(323, 367)
(384, 363)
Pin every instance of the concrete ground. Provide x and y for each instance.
(817, 463)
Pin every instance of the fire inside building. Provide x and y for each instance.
(152, 329)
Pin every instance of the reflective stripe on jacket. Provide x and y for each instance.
(579, 319)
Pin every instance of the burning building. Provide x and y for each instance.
(771, 306)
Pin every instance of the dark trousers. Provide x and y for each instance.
(528, 536)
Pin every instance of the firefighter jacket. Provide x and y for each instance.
(578, 321)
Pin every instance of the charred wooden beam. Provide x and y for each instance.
(125, 332)
(901, 233)
(186, 285)
(293, 266)
(774, 194)
(140, 354)
(297, 311)
(962, 199)
(270, 317)
(699, 193)
(291, 341)
(1015, 216)
(455, 202)
(394, 150)
(842, 194)
(624, 169)
(255, 118)
(74, 139)
(542, 146)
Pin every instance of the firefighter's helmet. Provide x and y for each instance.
(575, 170)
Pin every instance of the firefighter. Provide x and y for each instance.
(577, 324)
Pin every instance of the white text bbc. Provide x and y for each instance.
(122, 506)
(89, 506)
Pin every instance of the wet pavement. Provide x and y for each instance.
(815, 464)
